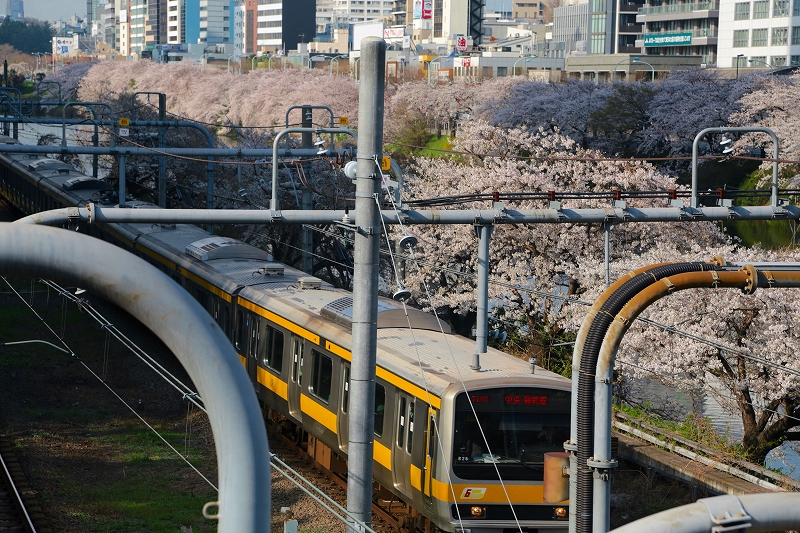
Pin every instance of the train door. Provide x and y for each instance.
(296, 378)
(252, 349)
(343, 420)
(403, 442)
(431, 444)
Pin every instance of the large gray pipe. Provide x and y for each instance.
(365, 283)
(187, 329)
(751, 512)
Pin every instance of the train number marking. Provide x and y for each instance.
(471, 493)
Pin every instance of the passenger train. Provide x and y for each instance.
(445, 435)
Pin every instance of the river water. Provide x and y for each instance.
(785, 458)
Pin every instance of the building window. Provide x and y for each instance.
(779, 36)
(740, 38)
(758, 61)
(761, 9)
(759, 37)
(742, 11)
(796, 8)
(780, 8)
(796, 35)
(778, 61)
(795, 61)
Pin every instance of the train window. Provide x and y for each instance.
(401, 422)
(226, 320)
(202, 298)
(345, 388)
(410, 426)
(432, 435)
(297, 362)
(273, 356)
(239, 330)
(508, 429)
(380, 404)
(321, 375)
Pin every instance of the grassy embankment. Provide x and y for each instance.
(96, 466)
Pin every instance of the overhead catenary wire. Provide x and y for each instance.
(455, 364)
(189, 395)
(111, 390)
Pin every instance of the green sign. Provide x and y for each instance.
(668, 39)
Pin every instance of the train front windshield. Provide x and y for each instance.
(519, 425)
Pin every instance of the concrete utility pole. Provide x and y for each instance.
(365, 288)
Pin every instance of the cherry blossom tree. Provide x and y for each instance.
(534, 256)
(259, 98)
(747, 364)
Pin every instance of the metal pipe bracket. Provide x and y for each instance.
(727, 514)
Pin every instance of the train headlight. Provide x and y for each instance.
(560, 513)
(477, 511)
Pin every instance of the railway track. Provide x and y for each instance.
(19, 509)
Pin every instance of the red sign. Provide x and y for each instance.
(461, 44)
(427, 9)
(465, 62)
(526, 400)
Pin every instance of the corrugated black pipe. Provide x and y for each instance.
(589, 355)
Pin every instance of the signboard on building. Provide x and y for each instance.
(461, 43)
(427, 9)
(63, 45)
(417, 9)
(394, 33)
(668, 39)
(371, 28)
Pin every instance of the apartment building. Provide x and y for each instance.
(759, 33)
(137, 16)
(176, 21)
(677, 28)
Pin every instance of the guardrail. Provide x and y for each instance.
(684, 447)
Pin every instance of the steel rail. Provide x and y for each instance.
(16, 498)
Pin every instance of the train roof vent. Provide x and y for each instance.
(224, 248)
(390, 315)
(47, 164)
(309, 282)
(271, 269)
(84, 182)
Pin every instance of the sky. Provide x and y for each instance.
(54, 9)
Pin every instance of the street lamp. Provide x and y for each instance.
(336, 58)
(771, 68)
(514, 68)
(238, 60)
(738, 60)
(430, 63)
(694, 203)
(635, 60)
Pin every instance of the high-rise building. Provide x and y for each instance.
(176, 21)
(282, 24)
(15, 9)
(156, 22)
(138, 15)
(93, 8)
(689, 29)
(759, 34)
